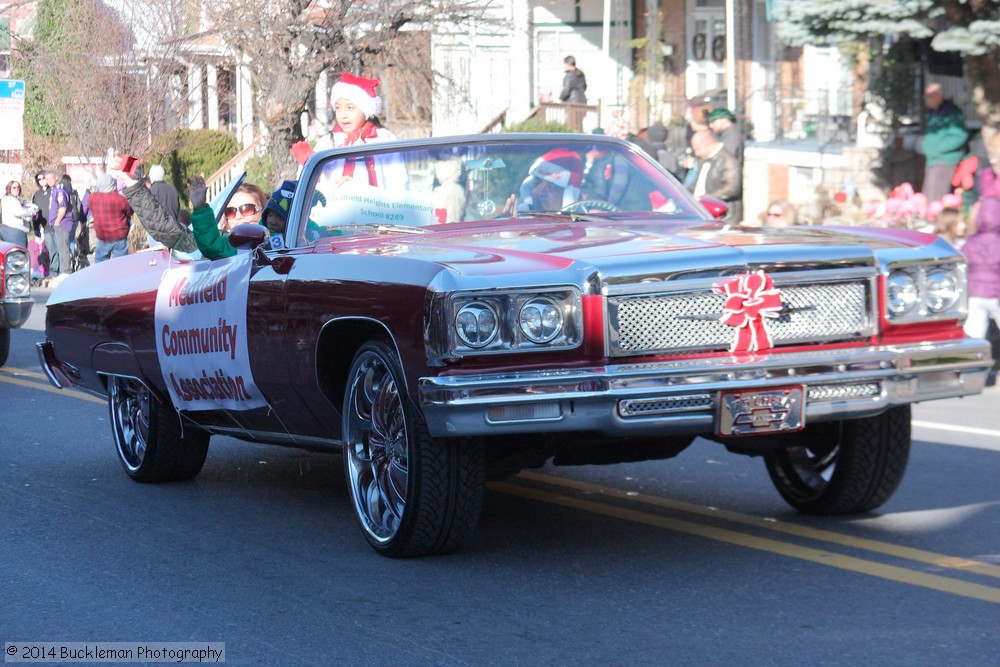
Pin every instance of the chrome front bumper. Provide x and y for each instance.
(15, 311)
(682, 397)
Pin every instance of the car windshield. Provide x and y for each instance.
(413, 186)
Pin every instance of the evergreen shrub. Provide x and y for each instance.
(537, 125)
(185, 154)
(260, 171)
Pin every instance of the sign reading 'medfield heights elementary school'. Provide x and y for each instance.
(11, 115)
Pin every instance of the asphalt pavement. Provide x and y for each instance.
(691, 561)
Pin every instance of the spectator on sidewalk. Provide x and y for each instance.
(60, 226)
(723, 123)
(780, 213)
(112, 219)
(41, 200)
(943, 143)
(718, 174)
(14, 227)
(574, 90)
(982, 252)
(656, 134)
(950, 225)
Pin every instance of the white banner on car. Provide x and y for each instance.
(353, 204)
(201, 335)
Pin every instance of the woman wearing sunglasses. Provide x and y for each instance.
(15, 219)
(245, 207)
(780, 214)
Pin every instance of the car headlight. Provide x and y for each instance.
(17, 285)
(476, 324)
(501, 321)
(901, 293)
(16, 261)
(943, 289)
(540, 320)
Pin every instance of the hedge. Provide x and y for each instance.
(185, 154)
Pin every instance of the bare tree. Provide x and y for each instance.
(287, 44)
(98, 81)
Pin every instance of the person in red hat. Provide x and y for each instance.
(553, 181)
(356, 106)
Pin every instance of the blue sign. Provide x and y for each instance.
(11, 90)
(11, 115)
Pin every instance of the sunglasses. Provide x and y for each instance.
(245, 209)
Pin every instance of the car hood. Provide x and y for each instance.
(613, 247)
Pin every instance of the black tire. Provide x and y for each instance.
(4, 345)
(413, 495)
(151, 445)
(847, 467)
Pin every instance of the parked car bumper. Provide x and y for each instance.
(683, 397)
(15, 311)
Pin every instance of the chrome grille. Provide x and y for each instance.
(839, 392)
(682, 321)
(665, 405)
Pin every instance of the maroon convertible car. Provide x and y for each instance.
(448, 311)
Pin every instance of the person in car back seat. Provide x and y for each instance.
(356, 106)
(553, 181)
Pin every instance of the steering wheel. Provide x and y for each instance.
(589, 206)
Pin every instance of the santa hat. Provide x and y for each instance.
(560, 167)
(360, 91)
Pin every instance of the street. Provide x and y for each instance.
(690, 561)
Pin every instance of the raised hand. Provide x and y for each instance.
(198, 191)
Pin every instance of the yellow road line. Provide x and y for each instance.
(885, 548)
(828, 558)
(30, 384)
(24, 371)
(832, 559)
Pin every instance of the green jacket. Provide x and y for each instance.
(946, 136)
(210, 240)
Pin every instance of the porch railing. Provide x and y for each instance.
(496, 124)
(578, 117)
(227, 172)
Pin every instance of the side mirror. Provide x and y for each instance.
(247, 236)
(715, 207)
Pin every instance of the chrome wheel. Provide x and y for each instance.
(843, 467)
(376, 455)
(807, 471)
(413, 494)
(130, 420)
(151, 444)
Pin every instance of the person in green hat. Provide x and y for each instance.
(723, 123)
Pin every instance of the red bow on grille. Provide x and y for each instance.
(749, 299)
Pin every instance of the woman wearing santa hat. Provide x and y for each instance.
(553, 181)
(356, 107)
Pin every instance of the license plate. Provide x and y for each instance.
(753, 412)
